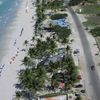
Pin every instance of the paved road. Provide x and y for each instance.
(93, 76)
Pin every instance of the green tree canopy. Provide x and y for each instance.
(62, 33)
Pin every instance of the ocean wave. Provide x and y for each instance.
(9, 9)
(1, 2)
(16, 3)
(0, 17)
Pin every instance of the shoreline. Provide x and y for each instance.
(8, 30)
(22, 30)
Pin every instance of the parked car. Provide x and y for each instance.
(92, 67)
(83, 91)
(76, 51)
(79, 86)
(76, 94)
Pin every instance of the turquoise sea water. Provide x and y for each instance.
(8, 10)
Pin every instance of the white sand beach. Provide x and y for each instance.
(22, 29)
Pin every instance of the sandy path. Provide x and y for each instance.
(23, 30)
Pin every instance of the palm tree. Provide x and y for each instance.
(26, 78)
(41, 35)
(51, 45)
(32, 79)
(18, 95)
(38, 41)
(67, 49)
(27, 61)
(32, 52)
(33, 38)
(41, 73)
(64, 41)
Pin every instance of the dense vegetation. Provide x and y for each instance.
(33, 79)
(62, 33)
(56, 4)
(76, 2)
(96, 31)
(38, 68)
(68, 76)
(42, 48)
(40, 15)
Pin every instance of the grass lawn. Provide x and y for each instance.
(91, 9)
(98, 42)
(92, 21)
(92, 1)
(96, 33)
(93, 12)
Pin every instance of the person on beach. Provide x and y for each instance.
(21, 31)
(26, 9)
(10, 62)
(3, 65)
(14, 42)
(13, 58)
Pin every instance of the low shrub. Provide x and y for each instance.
(58, 16)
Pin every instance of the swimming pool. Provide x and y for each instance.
(61, 22)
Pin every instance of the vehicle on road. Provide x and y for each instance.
(92, 67)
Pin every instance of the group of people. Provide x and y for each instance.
(1, 68)
(14, 57)
(19, 35)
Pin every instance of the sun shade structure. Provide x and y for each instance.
(61, 85)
